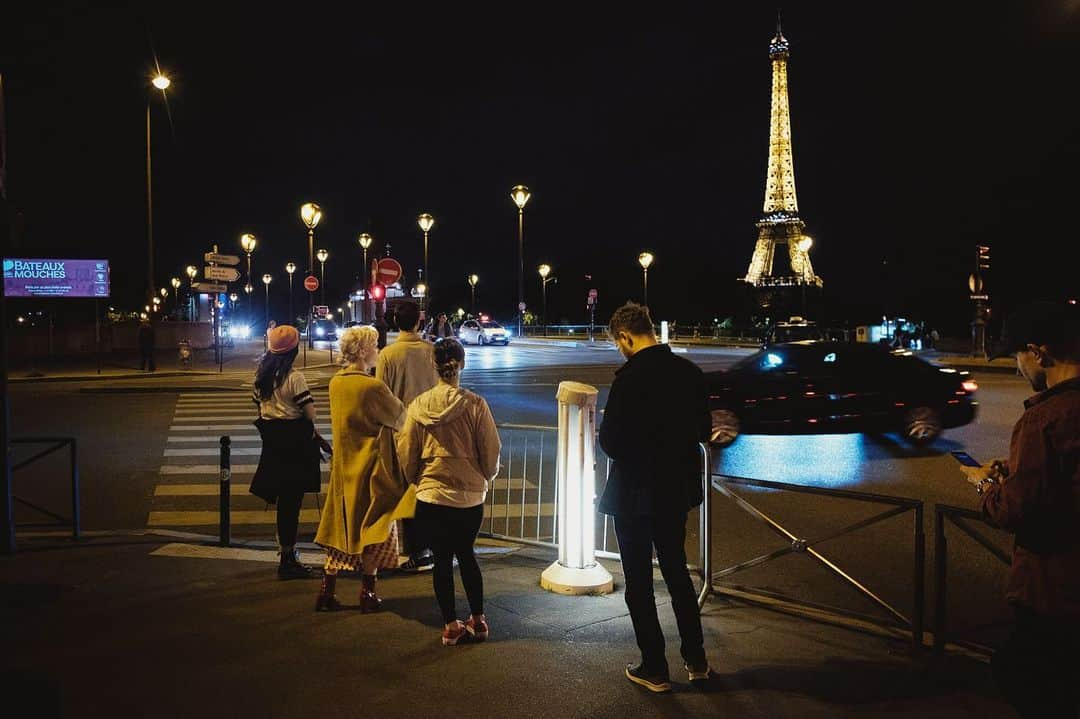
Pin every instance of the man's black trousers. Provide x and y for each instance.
(1038, 668)
(667, 533)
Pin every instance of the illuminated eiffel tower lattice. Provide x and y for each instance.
(780, 223)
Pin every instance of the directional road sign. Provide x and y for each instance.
(210, 287)
(221, 259)
(389, 271)
(225, 274)
(311, 283)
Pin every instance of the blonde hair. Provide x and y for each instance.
(357, 343)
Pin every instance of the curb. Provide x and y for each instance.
(105, 378)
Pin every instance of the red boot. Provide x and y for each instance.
(369, 600)
(326, 601)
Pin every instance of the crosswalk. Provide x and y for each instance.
(187, 494)
(189, 486)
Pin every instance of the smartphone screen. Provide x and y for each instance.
(965, 459)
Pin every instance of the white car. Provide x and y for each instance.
(483, 332)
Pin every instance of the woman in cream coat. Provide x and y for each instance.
(367, 491)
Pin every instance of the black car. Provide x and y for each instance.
(823, 387)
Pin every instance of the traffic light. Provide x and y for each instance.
(378, 292)
(982, 257)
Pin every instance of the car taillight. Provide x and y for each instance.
(969, 385)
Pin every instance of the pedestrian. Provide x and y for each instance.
(439, 327)
(407, 367)
(1035, 494)
(367, 492)
(289, 462)
(656, 416)
(449, 448)
(146, 346)
(934, 337)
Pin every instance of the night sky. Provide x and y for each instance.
(918, 133)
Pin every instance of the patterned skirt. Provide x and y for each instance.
(374, 556)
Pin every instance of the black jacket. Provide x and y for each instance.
(290, 457)
(656, 415)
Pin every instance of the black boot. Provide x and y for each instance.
(326, 601)
(290, 566)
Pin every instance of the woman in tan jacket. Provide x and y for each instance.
(367, 491)
(450, 450)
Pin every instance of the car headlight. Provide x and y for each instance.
(509, 333)
(319, 332)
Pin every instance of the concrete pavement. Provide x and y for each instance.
(134, 625)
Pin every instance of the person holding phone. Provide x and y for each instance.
(1035, 494)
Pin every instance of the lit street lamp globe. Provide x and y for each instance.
(161, 82)
(520, 195)
(248, 288)
(322, 255)
(247, 242)
(191, 271)
(645, 259)
(365, 240)
(175, 282)
(426, 222)
(310, 214)
(421, 289)
(473, 279)
(233, 296)
(290, 267)
(267, 278)
(164, 292)
(544, 270)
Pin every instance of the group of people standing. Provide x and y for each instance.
(410, 463)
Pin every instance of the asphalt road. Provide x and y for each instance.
(148, 459)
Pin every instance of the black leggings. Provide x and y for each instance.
(450, 532)
(288, 514)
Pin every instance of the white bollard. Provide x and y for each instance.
(664, 332)
(576, 571)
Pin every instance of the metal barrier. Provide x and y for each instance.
(957, 515)
(796, 545)
(56, 443)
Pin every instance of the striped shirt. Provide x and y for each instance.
(287, 401)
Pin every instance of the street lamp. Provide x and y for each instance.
(520, 195)
(161, 82)
(473, 279)
(804, 245)
(645, 259)
(544, 271)
(175, 282)
(323, 255)
(426, 222)
(310, 215)
(233, 297)
(192, 271)
(365, 242)
(290, 267)
(266, 283)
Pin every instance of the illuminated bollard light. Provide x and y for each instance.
(576, 571)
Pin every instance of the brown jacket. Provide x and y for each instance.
(408, 367)
(449, 440)
(1040, 502)
(367, 490)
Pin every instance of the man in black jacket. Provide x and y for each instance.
(656, 414)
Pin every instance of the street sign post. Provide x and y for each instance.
(311, 283)
(217, 259)
(389, 271)
(225, 274)
(209, 287)
(321, 311)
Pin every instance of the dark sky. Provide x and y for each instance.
(918, 133)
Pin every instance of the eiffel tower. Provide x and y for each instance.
(780, 223)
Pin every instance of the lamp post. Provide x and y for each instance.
(192, 271)
(175, 282)
(247, 244)
(266, 283)
(310, 215)
(520, 195)
(426, 222)
(233, 297)
(248, 289)
(473, 279)
(645, 259)
(323, 256)
(365, 242)
(290, 267)
(544, 271)
(161, 82)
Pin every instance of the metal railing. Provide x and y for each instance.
(958, 516)
(55, 444)
(797, 545)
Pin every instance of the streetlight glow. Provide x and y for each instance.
(267, 278)
(164, 292)
(248, 288)
(290, 267)
(544, 270)
(426, 222)
(247, 242)
(473, 279)
(191, 272)
(175, 282)
(366, 240)
(310, 214)
(161, 82)
(645, 259)
(520, 195)
(421, 289)
(322, 255)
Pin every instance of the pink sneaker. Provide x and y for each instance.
(453, 633)
(477, 628)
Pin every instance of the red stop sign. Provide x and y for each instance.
(311, 283)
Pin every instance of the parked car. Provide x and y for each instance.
(821, 387)
(325, 330)
(794, 330)
(483, 332)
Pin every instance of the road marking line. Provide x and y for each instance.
(236, 516)
(228, 427)
(206, 489)
(201, 551)
(217, 438)
(213, 452)
(213, 470)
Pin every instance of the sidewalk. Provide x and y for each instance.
(1006, 365)
(119, 626)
